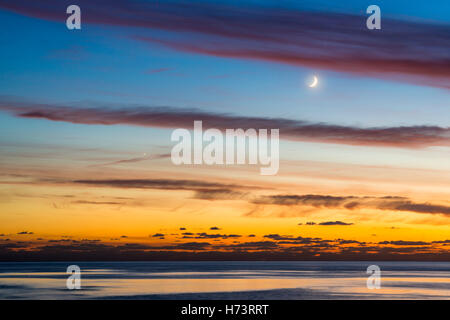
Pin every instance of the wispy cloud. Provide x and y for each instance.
(220, 194)
(353, 203)
(296, 130)
(164, 184)
(136, 159)
(335, 223)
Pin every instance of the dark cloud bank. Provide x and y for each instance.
(272, 247)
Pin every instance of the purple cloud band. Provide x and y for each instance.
(296, 130)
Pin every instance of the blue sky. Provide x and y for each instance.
(43, 61)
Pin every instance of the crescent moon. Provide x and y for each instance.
(314, 83)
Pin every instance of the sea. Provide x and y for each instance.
(223, 280)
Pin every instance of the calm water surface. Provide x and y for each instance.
(225, 280)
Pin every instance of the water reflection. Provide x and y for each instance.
(157, 280)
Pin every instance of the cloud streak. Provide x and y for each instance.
(295, 130)
(136, 159)
(163, 184)
(353, 203)
(335, 223)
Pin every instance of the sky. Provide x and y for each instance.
(86, 118)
